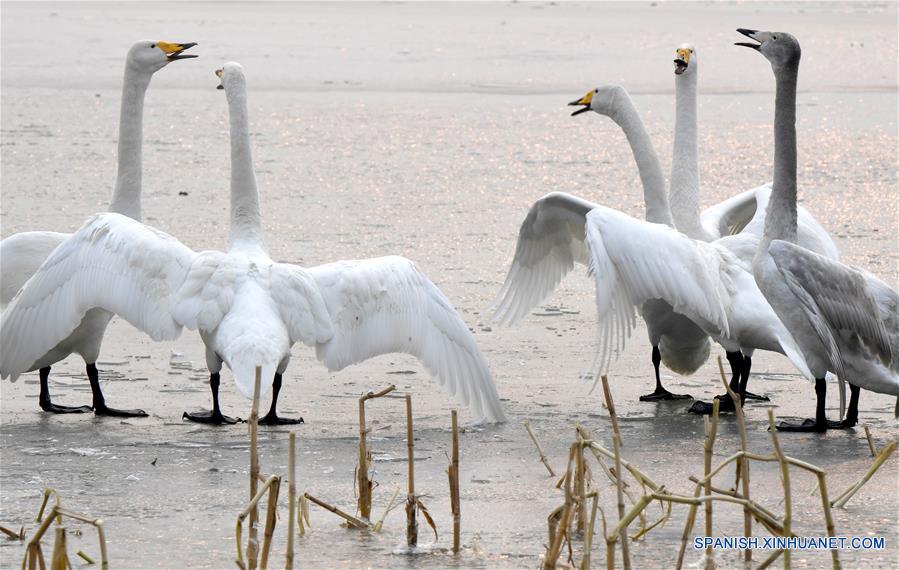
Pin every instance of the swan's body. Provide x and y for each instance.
(23, 253)
(839, 316)
(249, 309)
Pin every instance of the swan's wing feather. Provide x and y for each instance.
(21, 255)
(550, 241)
(834, 296)
(208, 291)
(385, 305)
(300, 303)
(634, 261)
(731, 216)
(112, 262)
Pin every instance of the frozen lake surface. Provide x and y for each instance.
(427, 130)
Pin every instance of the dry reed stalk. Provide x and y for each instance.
(527, 426)
(562, 529)
(46, 496)
(303, 515)
(641, 477)
(588, 537)
(411, 522)
(616, 448)
(453, 470)
(688, 527)
(770, 560)
(580, 484)
(353, 521)
(291, 497)
(83, 555)
(34, 555)
(363, 482)
(828, 518)
(271, 520)
(884, 454)
(870, 442)
(253, 541)
(13, 535)
(60, 558)
(734, 494)
(390, 506)
(711, 433)
(785, 480)
(743, 465)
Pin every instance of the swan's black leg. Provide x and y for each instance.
(660, 392)
(100, 407)
(271, 418)
(215, 416)
(851, 413)
(49, 406)
(725, 403)
(819, 424)
(744, 380)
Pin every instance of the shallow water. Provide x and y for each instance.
(426, 131)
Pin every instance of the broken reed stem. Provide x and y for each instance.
(455, 505)
(743, 466)
(353, 521)
(271, 520)
(884, 454)
(60, 559)
(47, 492)
(588, 537)
(83, 555)
(411, 522)
(291, 497)
(580, 484)
(561, 531)
(734, 494)
(390, 506)
(363, 482)
(527, 426)
(619, 480)
(870, 442)
(253, 547)
(34, 555)
(13, 535)
(253, 541)
(711, 433)
(828, 518)
(688, 527)
(785, 480)
(770, 560)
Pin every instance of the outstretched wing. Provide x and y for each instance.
(633, 261)
(112, 262)
(550, 241)
(383, 305)
(732, 215)
(300, 303)
(834, 297)
(21, 255)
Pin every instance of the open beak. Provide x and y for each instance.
(751, 34)
(585, 101)
(173, 51)
(680, 66)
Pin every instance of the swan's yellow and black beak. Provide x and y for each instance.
(585, 101)
(754, 35)
(219, 73)
(682, 61)
(173, 51)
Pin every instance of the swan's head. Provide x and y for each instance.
(149, 57)
(780, 48)
(685, 60)
(601, 100)
(232, 77)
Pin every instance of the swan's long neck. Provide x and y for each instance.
(126, 196)
(684, 191)
(780, 219)
(246, 222)
(625, 115)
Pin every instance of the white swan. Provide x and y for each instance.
(23, 253)
(249, 310)
(843, 319)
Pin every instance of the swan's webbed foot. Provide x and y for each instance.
(273, 419)
(807, 425)
(214, 417)
(104, 410)
(750, 396)
(49, 406)
(725, 404)
(660, 393)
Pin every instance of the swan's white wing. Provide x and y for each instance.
(550, 241)
(834, 297)
(732, 215)
(384, 305)
(633, 261)
(21, 255)
(300, 303)
(208, 290)
(112, 262)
